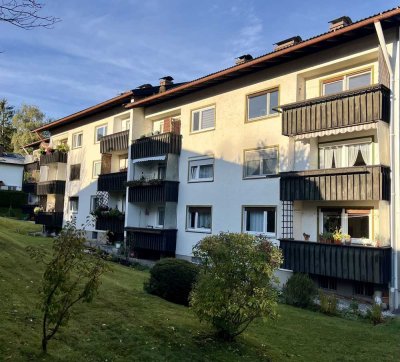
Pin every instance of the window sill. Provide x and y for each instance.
(262, 118)
(202, 131)
(271, 175)
(199, 231)
(200, 180)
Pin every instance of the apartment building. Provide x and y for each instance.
(300, 144)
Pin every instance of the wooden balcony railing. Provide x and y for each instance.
(157, 191)
(112, 182)
(111, 223)
(157, 145)
(51, 187)
(339, 184)
(350, 108)
(160, 240)
(56, 156)
(115, 142)
(29, 187)
(51, 219)
(356, 263)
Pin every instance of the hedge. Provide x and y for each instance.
(15, 199)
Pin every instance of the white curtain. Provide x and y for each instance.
(366, 152)
(337, 151)
(352, 152)
(193, 172)
(328, 157)
(204, 220)
(206, 171)
(255, 220)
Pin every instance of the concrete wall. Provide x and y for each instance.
(11, 175)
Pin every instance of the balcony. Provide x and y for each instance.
(56, 156)
(29, 187)
(339, 184)
(350, 108)
(157, 145)
(111, 223)
(51, 187)
(28, 209)
(112, 182)
(51, 219)
(147, 239)
(155, 191)
(356, 263)
(115, 142)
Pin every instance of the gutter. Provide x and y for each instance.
(395, 281)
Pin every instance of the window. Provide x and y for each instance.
(125, 124)
(123, 162)
(77, 139)
(260, 220)
(73, 204)
(261, 105)
(160, 216)
(355, 222)
(346, 82)
(199, 219)
(75, 172)
(158, 126)
(162, 172)
(352, 153)
(261, 162)
(100, 132)
(96, 169)
(94, 202)
(203, 119)
(201, 170)
(94, 235)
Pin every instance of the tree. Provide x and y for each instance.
(71, 276)
(25, 120)
(235, 284)
(25, 14)
(6, 129)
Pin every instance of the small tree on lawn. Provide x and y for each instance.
(235, 284)
(72, 275)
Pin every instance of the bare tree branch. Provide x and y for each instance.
(25, 14)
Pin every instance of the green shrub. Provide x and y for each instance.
(172, 279)
(235, 284)
(375, 314)
(14, 199)
(328, 303)
(299, 291)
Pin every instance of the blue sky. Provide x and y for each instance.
(102, 48)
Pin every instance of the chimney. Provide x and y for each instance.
(2, 149)
(145, 86)
(339, 23)
(243, 59)
(287, 43)
(164, 82)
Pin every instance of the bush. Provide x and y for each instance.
(375, 314)
(14, 199)
(235, 283)
(328, 304)
(299, 291)
(172, 279)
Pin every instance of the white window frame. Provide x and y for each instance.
(345, 80)
(200, 110)
(159, 225)
(71, 209)
(97, 140)
(188, 218)
(345, 225)
(92, 198)
(126, 124)
(158, 126)
(75, 137)
(267, 93)
(197, 163)
(260, 175)
(344, 151)
(266, 210)
(94, 169)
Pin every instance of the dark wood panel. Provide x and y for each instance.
(112, 182)
(157, 145)
(160, 240)
(52, 219)
(115, 142)
(56, 156)
(51, 187)
(359, 106)
(348, 184)
(162, 191)
(114, 224)
(357, 263)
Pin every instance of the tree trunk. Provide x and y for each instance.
(44, 344)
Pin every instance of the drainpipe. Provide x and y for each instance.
(382, 43)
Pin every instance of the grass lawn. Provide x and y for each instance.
(126, 324)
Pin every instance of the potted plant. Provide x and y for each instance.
(325, 238)
(62, 147)
(37, 209)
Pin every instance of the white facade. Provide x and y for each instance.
(11, 174)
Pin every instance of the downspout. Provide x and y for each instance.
(394, 287)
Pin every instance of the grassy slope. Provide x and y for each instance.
(125, 324)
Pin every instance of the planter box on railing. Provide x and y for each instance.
(115, 142)
(112, 182)
(153, 191)
(51, 187)
(357, 263)
(349, 108)
(51, 219)
(56, 156)
(160, 240)
(342, 184)
(156, 145)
